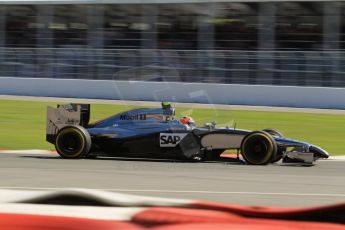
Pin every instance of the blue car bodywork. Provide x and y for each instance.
(155, 133)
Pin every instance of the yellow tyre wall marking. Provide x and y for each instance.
(270, 147)
(66, 131)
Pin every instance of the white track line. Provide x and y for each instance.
(192, 191)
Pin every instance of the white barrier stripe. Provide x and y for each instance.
(89, 212)
(15, 195)
(223, 192)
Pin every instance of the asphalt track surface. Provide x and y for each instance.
(273, 185)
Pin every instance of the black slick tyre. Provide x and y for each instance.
(280, 154)
(280, 150)
(258, 148)
(73, 142)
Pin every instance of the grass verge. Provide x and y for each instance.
(22, 123)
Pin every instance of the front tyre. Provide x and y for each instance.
(280, 154)
(280, 150)
(73, 142)
(258, 148)
(273, 132)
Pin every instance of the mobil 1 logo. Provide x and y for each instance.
(170, 139)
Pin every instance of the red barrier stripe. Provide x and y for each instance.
(323, 213)
(198, 219)
(169, 219)
(248, 226)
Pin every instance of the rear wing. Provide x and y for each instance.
(65, 115)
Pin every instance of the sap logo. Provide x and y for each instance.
(170, 139)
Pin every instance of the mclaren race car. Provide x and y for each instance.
(156, 133)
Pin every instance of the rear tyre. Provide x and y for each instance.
(73, 142)
(258, 148)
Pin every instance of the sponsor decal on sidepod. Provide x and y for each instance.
(170, 139)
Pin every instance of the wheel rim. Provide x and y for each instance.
(257, 149)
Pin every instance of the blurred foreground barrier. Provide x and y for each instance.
(65, 209)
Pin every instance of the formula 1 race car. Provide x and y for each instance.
(156, 133)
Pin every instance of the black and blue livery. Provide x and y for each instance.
(155, 133)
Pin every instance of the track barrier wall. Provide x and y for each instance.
(212, 93)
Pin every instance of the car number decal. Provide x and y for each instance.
(170, 139)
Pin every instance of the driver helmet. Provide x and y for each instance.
(187, 120)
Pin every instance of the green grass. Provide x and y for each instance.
(22, 123)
